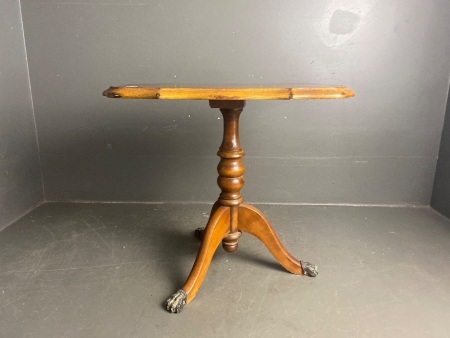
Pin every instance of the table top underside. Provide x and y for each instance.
(233, 92)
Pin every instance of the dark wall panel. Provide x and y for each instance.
(441, 190)
(379, 147)
(20, 177)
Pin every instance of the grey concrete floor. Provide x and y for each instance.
(104, 270)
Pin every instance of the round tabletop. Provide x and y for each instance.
(228, 92)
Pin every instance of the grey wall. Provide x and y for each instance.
(441, 191)
(20, 177)
(379, 147)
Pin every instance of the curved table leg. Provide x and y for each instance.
(252, 221)
(218, 226)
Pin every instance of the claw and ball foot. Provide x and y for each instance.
(309, 269)
(177, 301)
(199, 232)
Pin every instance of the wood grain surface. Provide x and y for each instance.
(232, 92)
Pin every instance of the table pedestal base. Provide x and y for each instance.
(230, 216)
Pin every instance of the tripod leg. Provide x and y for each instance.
(252, 221)
(218, 226)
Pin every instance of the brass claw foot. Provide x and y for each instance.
(309, 269)
(176, 303)
(199, 233)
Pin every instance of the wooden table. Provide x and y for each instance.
(229, 215)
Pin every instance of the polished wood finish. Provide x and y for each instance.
(192, 92)
(230, 216)
(217, 228)
(230, 168)
(253, 221)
